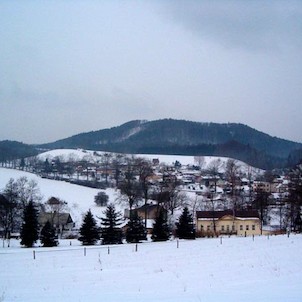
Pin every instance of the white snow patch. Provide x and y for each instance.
(79, 198)
(239, 269)
(79, 154)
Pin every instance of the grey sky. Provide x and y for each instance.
(74, 66)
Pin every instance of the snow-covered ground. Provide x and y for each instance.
(79, 199)
(239, 269)
(79, 154)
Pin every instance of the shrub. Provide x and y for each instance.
(101, 199)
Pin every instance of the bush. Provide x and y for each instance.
(101, 199)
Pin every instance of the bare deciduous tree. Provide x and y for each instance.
(106, 161)
(214, 168)
(17, 194)
(130, 186)
(145, 171)
(28, 190)
(200, 161)
(231, 175)
(117, 162)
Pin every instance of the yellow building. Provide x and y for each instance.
(264, 186)
(228, 222)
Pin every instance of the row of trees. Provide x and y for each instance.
(111, 233)
(14, 198)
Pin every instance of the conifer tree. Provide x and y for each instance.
(136, 229)
(161, 230)
(89, 233)
(185, 227)
(111, 233)
(30, 227)
(48, 235)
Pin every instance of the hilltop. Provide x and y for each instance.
(180, 137)
(175, 137)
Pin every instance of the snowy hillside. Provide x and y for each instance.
(78, 154)
(79, 199)
(239, 269)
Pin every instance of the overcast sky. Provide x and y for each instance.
(68, 67)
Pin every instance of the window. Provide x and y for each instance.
(222, 228)
(233, 228)
(208, 228)
(241, 227)
(247, 227)
(201, 227)
(228, 228)
(253, 227)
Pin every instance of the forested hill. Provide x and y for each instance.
(170, 136)
(10, 150)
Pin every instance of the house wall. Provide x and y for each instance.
(226, 225)
(151, 214)
(245, 227)
(262, 186)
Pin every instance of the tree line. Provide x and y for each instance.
(110, 231)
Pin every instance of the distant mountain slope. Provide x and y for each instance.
(170, 136)
(10, 150)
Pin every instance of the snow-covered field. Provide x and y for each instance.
(79, 154)
(239, 269)
(79, 199)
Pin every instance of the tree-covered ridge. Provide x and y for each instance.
(10, 150)
(182, 137)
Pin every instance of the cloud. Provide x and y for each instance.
(108, 63)
(252, 25)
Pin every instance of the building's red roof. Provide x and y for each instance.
(219, 214)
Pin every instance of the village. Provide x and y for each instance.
(223, 195)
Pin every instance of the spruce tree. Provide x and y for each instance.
(89, 233)
(48, 235)
(161, 230)
(111, 233)
(136, 229)
(30, 227)
(185, 227)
